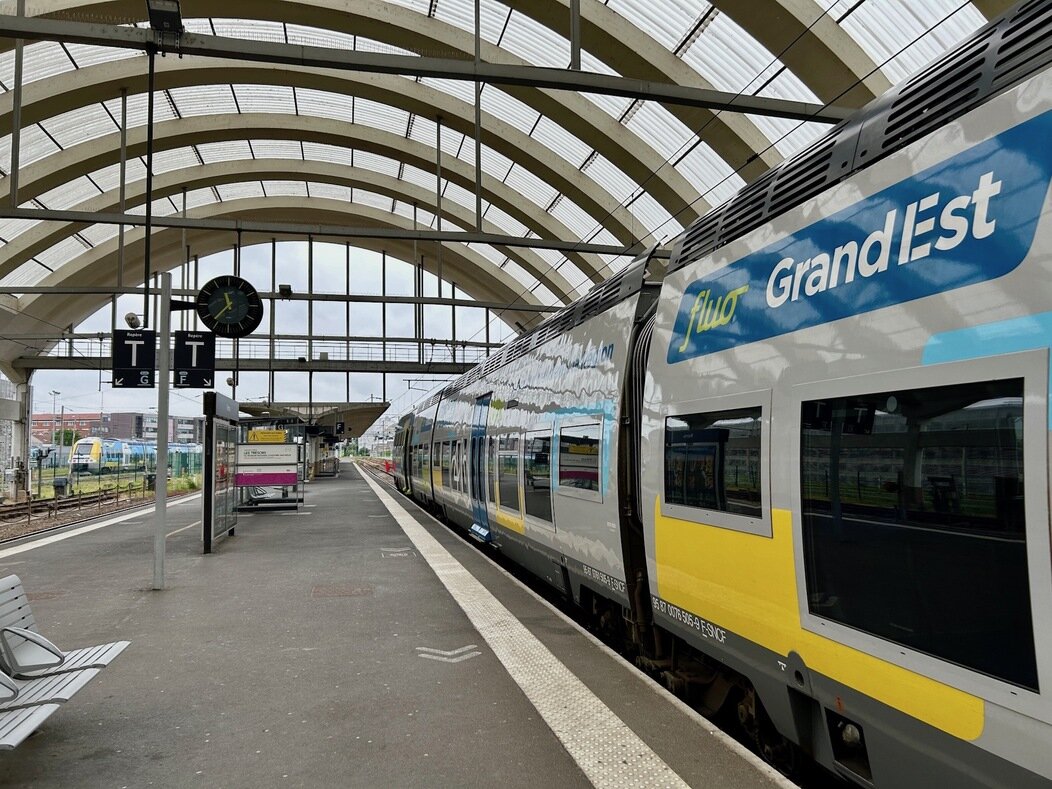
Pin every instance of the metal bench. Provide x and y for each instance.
(26, 704)
(37, 677)
(25, 653)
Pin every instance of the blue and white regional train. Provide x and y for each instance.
(103, 456)
(804, 472)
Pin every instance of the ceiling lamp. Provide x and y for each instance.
(165, 15)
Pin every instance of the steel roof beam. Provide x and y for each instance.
(74, 290)
(122, 37)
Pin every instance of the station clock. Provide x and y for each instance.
(230, 306)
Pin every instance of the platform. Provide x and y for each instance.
(354, 643)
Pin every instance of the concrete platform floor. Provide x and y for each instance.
(302, 654)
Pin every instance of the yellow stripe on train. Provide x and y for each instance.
(747, 584)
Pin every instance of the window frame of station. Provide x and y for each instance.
(539, 431)
(1033, 368)
(761, 526)
(586, 420)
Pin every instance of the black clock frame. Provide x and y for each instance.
(239, 289)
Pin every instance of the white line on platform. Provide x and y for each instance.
(605, 749)
(184, 528)
(53, 538)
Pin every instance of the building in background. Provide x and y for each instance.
(123, 424)
(84, 424)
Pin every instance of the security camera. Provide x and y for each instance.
(132, 320)
(230, 381)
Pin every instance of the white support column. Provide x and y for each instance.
(164, 364)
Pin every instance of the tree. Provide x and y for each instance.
(67, 437)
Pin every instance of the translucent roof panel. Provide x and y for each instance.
(203, 100)
(533, 43)
(225, 151)
(70, 194)
(902, 36)
(240, 191)
(566, 145)
(500, 104)
(526, 183)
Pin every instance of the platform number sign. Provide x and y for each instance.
(134, 358)
(339, 428)
(195, 360)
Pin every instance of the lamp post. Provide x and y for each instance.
(54, 417)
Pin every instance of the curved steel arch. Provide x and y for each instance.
(89, 85)
(59, 168)
(44, 235)
(576, 114)
(825, 58)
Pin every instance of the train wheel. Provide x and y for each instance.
(773, 748)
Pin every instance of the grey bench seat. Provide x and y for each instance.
(37, 677)
(16, 725)
(54, 689)
(25, 653)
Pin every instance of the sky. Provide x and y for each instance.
(89, 391)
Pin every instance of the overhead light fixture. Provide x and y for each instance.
(165, 15)
(285, 291)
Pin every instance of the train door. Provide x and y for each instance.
(477, 471)
(407, 452)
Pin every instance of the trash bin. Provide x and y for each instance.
(60, 484)
(151, 481)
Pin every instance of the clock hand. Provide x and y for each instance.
(229, 303)
(227, 307)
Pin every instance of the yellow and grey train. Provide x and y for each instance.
(804, 470)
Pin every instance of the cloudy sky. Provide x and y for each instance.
(88, 390)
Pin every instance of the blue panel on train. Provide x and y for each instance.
(968, 219)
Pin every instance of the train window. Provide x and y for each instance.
(538, 489)
(913, 522)
(508, 472)
(447, 449)
(454, 465)
(464, 483)
(712, 461)
(580, 456)
(491, 473)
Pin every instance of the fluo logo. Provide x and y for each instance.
(711, 312)
(969, 219)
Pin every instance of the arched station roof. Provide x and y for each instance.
(347, 148)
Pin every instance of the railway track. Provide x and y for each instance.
(48, 508)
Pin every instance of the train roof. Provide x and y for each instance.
(1005, 52)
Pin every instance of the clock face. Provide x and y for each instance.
(230, 306)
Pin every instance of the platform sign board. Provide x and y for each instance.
(134, 358)
(220, 493)
(267, 464)
(195, 360)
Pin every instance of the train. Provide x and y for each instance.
(801, 470)
(103, 456)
